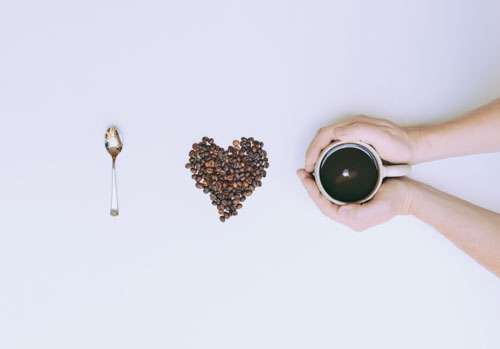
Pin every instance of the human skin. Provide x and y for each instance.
(473, 229)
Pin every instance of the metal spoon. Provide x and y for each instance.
(114, 146)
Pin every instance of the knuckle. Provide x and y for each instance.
(352, 214)
(359, 227)
(323, 131)
(355, 226)
(320, 130)
(388, 123)
(324, 211)
(361, 117)
(356, 125)
(344, 212)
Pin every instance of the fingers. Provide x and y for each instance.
(325, 206)
(358, 217)
(358, 131)
(323, 137)
(342, 131)
(361, 217)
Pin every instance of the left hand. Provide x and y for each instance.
(393, 198)
(392, 142)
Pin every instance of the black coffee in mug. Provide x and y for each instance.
(349, 173)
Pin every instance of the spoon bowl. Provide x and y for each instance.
(113, 142)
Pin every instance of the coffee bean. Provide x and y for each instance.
(228, 176)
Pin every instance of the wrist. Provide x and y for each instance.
(430, 142)
(416, 136)
(410, 199)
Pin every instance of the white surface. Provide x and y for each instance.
(167, 273)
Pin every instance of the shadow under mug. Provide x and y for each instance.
(383, 171)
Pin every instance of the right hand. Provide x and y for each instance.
(391, 141)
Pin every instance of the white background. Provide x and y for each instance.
(167, 273)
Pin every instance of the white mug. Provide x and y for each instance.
(384, 171)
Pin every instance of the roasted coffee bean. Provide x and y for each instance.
(228, 176)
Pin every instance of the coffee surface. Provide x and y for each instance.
(349, 174)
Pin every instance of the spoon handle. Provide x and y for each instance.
(114, 193)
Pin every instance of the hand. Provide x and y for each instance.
(392, 142)
(394, 198)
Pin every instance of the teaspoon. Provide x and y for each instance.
(114, 146)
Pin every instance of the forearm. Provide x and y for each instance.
(473, 229)
(475, 132)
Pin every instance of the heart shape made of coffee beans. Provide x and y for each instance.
(229, 175)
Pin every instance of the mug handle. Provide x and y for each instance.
(397, 170)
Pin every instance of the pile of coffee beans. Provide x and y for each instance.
(229, 175)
